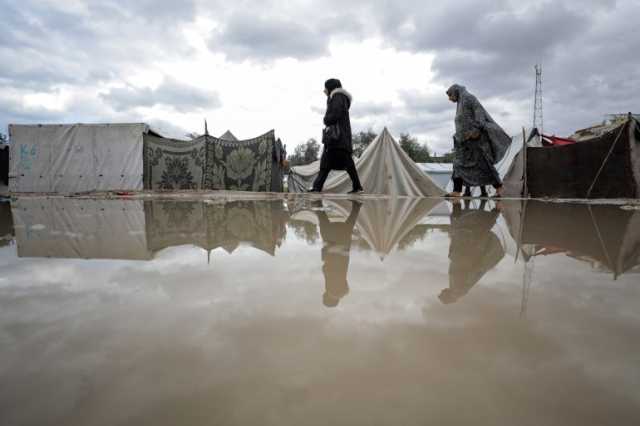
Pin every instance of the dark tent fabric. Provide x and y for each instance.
(6, 223)
(4, 164)
(606, 165)
(209, 163)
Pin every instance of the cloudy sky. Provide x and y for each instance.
(251, 66)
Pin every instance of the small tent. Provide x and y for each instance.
(228, 136)
(384, 168)
(440, 172)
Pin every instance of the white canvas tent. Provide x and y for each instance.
(440, 172)
(67, 158)
(384, 168)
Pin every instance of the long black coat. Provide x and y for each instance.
(337, 155)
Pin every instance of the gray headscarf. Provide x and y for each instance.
(471, 115)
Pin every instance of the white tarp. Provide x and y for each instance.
(384, 169)
(80, 229)
(70, 158)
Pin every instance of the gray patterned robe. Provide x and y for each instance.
(474, 158)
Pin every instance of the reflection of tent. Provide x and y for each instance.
(605, 165)
(384, 168)
(227, 225)
(135, 230)
(6, 223)
(602, 234)
(85, 229)
(382, 223)
(76, 157)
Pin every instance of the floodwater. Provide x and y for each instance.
(332, 312)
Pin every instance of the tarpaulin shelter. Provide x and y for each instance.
(65, 158)
(71, 158)
(604, 165)
(384, 169)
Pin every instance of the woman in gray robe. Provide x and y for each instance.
(479, 143)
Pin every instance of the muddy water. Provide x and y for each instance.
(314, 313)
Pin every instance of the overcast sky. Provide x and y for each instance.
(251, 66)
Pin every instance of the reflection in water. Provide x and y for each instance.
(169, 340)
(474, 249)
(209, 225)
(336, 249)
(605, 237)
(6, 224)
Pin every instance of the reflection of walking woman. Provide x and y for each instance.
(336, 237)
(479, 143)
(474, 249)
(338, 146)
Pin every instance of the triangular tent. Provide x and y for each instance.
(384, 168)
(228, 136)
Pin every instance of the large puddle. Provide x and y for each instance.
(301, 312)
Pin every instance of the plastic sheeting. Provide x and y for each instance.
(384, 169)
(76, 157)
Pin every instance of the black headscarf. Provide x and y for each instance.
(332, 84)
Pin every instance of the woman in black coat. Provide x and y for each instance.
(338, 146)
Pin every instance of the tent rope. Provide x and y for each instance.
(593, 184)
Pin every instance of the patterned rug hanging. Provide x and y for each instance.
(210, 163)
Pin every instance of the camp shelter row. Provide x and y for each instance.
(72, 158)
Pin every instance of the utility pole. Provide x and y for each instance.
(538, 122)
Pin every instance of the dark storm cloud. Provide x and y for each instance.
(182, 97)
